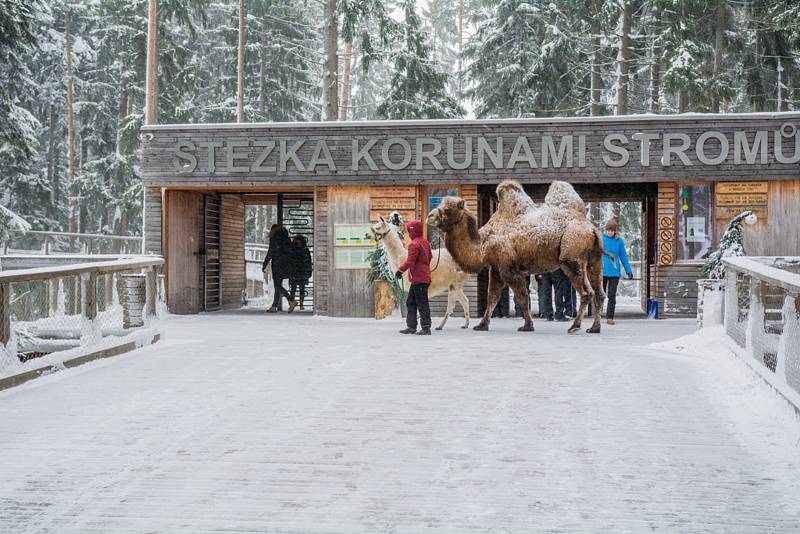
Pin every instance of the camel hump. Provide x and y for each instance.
(513, 200)
(561, 195)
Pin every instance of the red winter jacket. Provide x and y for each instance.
(418, 262)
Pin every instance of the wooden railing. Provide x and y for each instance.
(52, 308)
(762, 313)
(47, 242)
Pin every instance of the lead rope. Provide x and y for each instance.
(439, 254)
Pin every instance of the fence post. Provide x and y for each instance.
(151, 293)
(5, 313)
(89, 291)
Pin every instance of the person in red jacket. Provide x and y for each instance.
(419, 273)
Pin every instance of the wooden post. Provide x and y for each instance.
(109, 289)
(5, 313)
(151, 293)
(90, 296)
(53, 285)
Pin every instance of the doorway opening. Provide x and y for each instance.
(634, 207)
(293, 210)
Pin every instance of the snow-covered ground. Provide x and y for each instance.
(243, 422)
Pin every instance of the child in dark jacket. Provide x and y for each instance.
(300, 269)
(418, 266)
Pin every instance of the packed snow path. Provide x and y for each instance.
(242, 422)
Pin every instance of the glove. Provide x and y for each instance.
(630, 276)
(398, 275)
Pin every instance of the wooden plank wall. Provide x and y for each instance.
(349, 295)
(676, 288)
(322, 251)
(232, 254)
(152, 221)
(183, 243)
(780, 234)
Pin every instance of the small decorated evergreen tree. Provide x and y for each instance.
(730, 245)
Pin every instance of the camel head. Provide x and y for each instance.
(448, 215)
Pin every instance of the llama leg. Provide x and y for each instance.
(451, 304)
(462, 298)
(495, 291)
(518, 284)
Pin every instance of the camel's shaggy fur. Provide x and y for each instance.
(446, 275)
(524, 237)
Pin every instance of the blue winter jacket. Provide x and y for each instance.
(615, 246)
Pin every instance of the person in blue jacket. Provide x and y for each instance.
(615, 246)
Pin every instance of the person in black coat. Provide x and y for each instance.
(279, 255)
(300, 270)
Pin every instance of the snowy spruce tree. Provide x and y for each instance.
(731, 244)
(418, 87)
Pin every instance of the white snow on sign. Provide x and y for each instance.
(243, 422)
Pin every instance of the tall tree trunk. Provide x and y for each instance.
(655, 67)
(52, 178)
(71, 223)
(460, 79)
(240, 68)
(345, 102)
(151, 116)
(683, 102)
(759, 98)
(262, 74)
(596, 82)
(330, 69)
(623, 58)
(718, 51)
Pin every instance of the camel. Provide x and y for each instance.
(445, 273)
(524, 237)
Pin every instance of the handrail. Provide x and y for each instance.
(100, 267)
(759, 267)
(74, 234)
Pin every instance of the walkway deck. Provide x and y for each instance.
(239, 422)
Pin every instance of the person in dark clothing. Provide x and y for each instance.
(564, 296)
(545, 295)
(300, 270)
(419, 273)
(279, 255)
(561, 284)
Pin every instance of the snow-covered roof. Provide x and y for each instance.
(641, 118)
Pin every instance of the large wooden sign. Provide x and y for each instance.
(735, 197)
(397, 153)
(384, 200)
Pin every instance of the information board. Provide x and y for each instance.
(732, 198)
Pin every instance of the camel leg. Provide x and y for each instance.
(517, 283)
(495, 291)
(595, 274)
(451, 304)
(462, 298)
(577, 276)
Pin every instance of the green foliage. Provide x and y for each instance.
(731, 244)
(418, 86)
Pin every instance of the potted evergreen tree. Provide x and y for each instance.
(711, 288)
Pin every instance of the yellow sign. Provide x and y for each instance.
(392, 203)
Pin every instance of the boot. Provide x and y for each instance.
(408, 330)
(301, 306)
(610, 321)
(273, 309)
(426, 331)
(292, 306)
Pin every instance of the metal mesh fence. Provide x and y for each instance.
(762, 315)
(58, 314)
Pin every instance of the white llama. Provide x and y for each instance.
(445, 273)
